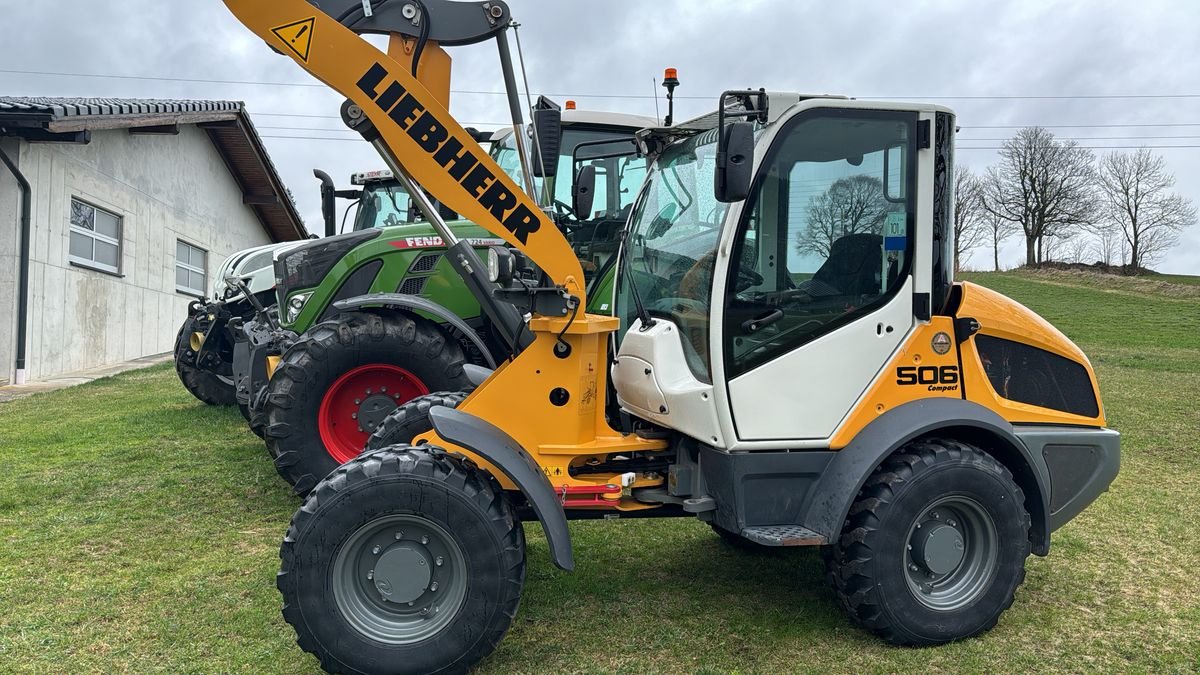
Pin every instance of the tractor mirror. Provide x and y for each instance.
(328, 202)
(547, 136)
(735, 162)
(583, 191)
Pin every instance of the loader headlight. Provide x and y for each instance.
(295, 305)
(501, 263)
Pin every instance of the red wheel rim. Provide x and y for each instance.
(360, 399)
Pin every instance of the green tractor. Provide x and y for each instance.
(373, 319)
(205, 343)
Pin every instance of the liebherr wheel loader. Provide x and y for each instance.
(786, 371)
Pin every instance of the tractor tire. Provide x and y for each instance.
(206, 386)
(736, 540)
(411, 419)
(934, 547)
(404, 560)
(255, 425)
(340, 379)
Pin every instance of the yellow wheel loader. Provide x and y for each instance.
(791, 362)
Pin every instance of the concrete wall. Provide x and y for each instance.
(10, 235)
(164, 188)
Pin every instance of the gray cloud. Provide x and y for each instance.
(931, 48)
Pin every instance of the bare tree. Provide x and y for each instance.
(969, 227)
(851, 205)
(997, 230)
(1135, 191)
(1043, 185)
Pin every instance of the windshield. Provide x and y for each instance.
(384, 204)
(672, 245)
(617, 178)
(593, 236)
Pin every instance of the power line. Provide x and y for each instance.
(1085, 138)
(1080, 126)
(1095, 147)
(266, 83)
(1087, 147)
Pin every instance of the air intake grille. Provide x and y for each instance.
(425, 263)
(412, 286)
(1025, 374)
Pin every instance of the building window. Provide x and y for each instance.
(95, 238)
(190, 265)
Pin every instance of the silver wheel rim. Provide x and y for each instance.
(951, 553)
(399, 579)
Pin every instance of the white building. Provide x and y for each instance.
(130, 206)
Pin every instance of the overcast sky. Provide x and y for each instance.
(617, 48)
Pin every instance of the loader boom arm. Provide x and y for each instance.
(431, 146)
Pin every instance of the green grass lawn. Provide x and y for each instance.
(139, 531)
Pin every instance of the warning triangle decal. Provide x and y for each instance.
(297, 36)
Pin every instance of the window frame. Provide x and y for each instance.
(193, 292)
(96, 236)
(733, 368)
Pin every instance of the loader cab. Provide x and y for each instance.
(802, 291)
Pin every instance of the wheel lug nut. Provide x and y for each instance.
(424, 540)
(375, 550)
(439, 561)
(399, 535)
(370, 575)
(383, 390)
(410, 604)
(953, 524)
(433, 587)
(368, 392)
(912, 568)
(908, 547)
(425, 611)
(353, 416)
(396, 396)
(358, 401)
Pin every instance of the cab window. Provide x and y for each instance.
(827, 233)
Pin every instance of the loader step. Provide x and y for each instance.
(783, 535)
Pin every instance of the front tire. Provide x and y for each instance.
(206, 386)
(403, 560)
(337, 382)
(412, 419)
(934, 547)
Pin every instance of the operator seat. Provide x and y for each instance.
(854, 265)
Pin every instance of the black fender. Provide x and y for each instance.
(414, 302)
(498, 448)
(830, 500)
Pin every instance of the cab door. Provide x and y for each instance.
(819, 292)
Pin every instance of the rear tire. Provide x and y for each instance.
(934, 547)
(412, 419)
(340, 379)
(404, 559)
(204, 385)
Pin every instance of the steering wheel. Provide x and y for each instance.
(662, 221)
(747, 278)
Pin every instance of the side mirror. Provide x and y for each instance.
(735, 162)
(547, 128)
(328, 202)
(583, 191)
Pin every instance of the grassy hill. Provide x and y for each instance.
(140, 532)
